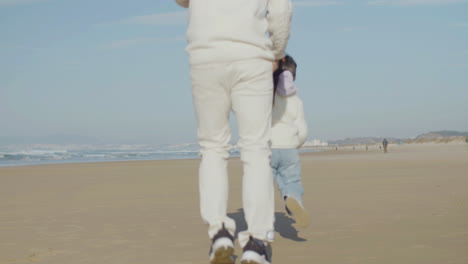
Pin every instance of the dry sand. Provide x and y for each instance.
(407, 206)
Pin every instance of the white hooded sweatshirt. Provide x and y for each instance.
(231, 30)
(289, 128)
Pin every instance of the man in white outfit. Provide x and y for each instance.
(232, 45)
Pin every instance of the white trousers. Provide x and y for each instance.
(245, 87)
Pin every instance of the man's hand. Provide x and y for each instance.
(183, 3)
(275, 65)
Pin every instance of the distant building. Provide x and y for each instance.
(315, 143)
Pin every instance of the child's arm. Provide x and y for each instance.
(301, 124)
(279, 25)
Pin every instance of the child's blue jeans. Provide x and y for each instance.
(286, 167)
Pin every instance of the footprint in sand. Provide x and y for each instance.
(36, 255)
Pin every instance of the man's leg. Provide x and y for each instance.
(212, 107)
(252, 97)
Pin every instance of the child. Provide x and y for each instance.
(289, 132)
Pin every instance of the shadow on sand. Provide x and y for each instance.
(283, 225)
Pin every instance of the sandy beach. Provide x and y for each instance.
(407, 206)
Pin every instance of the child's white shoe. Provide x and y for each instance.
(295, 209)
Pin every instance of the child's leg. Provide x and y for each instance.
(275, 165)
(290, 173)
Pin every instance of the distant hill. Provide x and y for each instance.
(441, 135)
(364, 141)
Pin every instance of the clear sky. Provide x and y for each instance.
(117, 70)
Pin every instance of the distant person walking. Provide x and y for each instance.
(232, 45)
(289, 133)
(385, 144)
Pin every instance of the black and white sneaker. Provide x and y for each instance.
(222, 248)
(255, 252)
(296, 210)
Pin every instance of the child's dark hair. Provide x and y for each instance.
(288, 64)
(285, 64)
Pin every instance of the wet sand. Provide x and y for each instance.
(407, 206)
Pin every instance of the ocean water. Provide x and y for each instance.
(23, 155)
